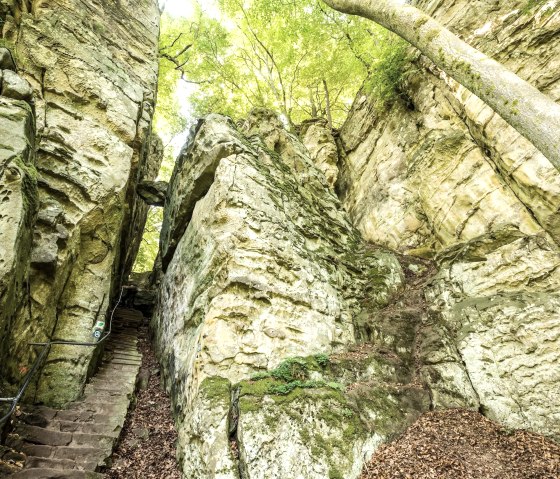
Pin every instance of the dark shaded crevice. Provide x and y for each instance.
(233, 421)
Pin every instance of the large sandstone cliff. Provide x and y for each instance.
(316, 294)
(439, 174)
(72, 156)
(291, 345)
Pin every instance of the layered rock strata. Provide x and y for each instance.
(291, 348)
(438, 173)
(265, 275)
(18, 196)
(93, 71)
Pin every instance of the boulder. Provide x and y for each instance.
(16, 87)
(6, 59)
(262, 266)
(153, 192)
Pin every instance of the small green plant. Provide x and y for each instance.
(290, 370)
(322, 360)
(387, 74)
(347, 413)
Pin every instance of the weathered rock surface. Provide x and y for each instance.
(6, 59)
(262, 265)
(319, 141)
(92, 68)
(441, 174)
(18, 207)
(13, 86)
(450, 169)
(153, 192)
(499, 293)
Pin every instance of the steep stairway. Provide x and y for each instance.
(75, 442)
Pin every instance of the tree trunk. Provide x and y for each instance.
(533, 114)
(313, 105)
(328, 103)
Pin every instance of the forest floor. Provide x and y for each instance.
(147, 444)
(462, 444)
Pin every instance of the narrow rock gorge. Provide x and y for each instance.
(317, 290)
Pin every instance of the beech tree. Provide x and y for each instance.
(533, 114)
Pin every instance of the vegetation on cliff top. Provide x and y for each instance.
(299, 58)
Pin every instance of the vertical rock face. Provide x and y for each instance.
(93, 71)
(441, 174)
(500, 294)
(265, 275)
(446, 144)
(319, 141)
(18, 200)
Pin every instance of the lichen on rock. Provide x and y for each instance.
(262, 265)
(89, 73)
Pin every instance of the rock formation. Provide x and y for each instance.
(440, 174)
(76, 139)
(291, 346)
(315, 292)
(18, 198)
(262, 265)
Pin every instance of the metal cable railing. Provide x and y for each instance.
(41, 357)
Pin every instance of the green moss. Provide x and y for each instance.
(294, 369)
(334, 473)
(29, 184)
(291, 375)
(532, 5)
(216, 389)
(432, 34)
(330, 421)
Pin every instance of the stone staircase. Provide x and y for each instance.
(76, 442)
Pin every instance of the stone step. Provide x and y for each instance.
(120, 354)
(36, 462)
(107, 389)
(98, 441)
(111, 375)
(45, 473)
(108, 427)
(119, 367)
(125, 352)
(68, 443)
(51, 437)
(40, 435)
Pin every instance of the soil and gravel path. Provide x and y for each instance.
(460, 444)
(147, 444)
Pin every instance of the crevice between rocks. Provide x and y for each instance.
(233, 422)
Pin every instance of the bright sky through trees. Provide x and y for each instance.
(299, 58)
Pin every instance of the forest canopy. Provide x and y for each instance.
(300, 58)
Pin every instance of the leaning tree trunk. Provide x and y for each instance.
(531, 113)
